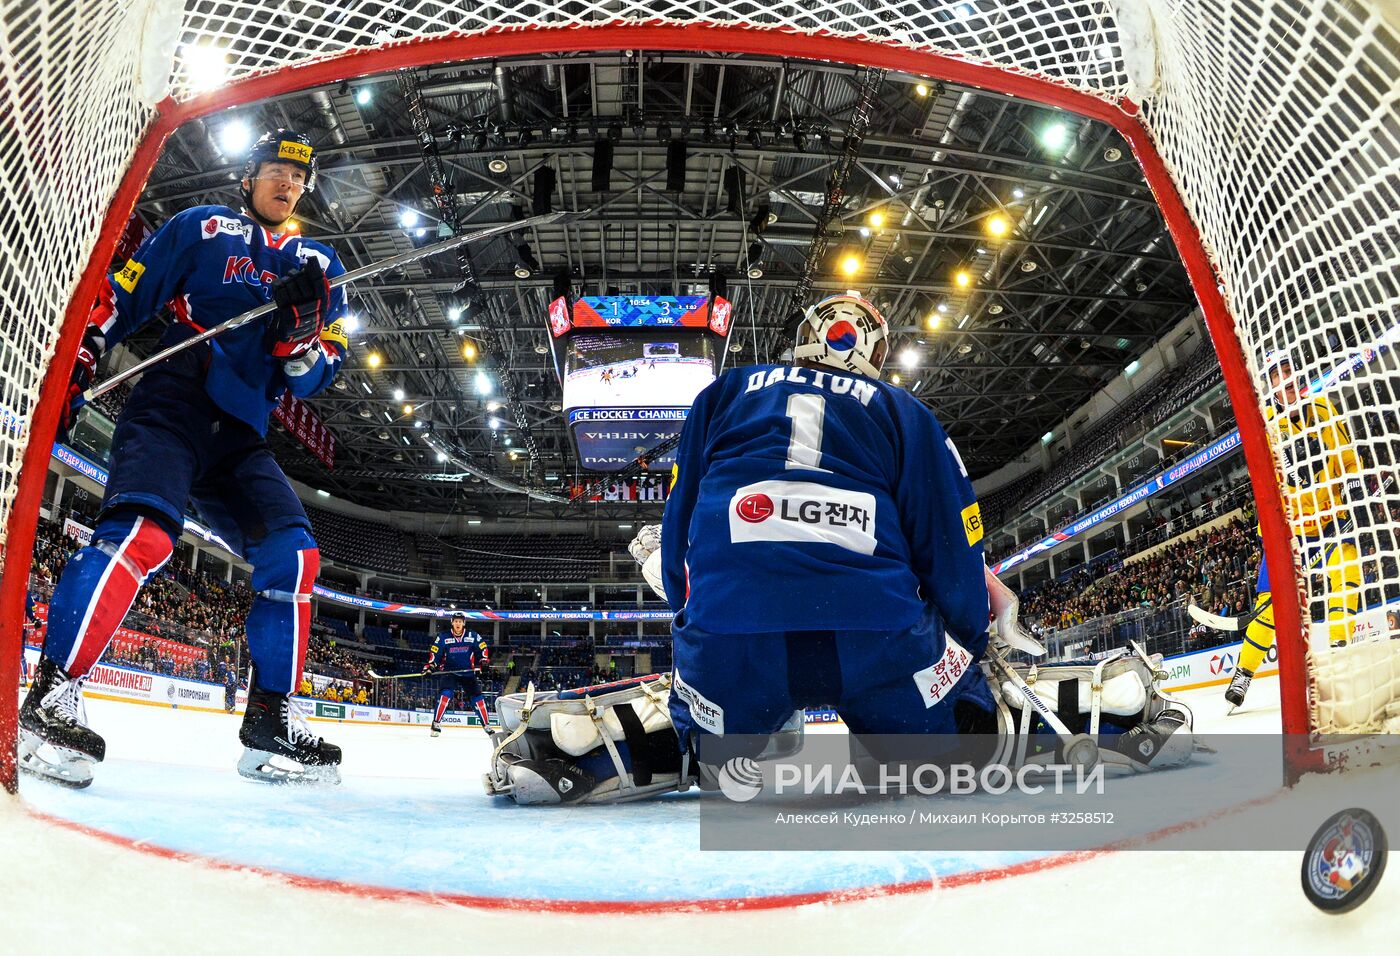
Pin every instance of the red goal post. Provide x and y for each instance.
(1231, 107)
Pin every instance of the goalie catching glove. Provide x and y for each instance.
(1005, 608)
(646, 551)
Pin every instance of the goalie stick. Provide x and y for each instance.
(1240, 622)
(355, 275)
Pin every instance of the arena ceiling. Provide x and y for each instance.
(1083, 280)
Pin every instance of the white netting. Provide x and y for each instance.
(1281, 124)
(1277, 118)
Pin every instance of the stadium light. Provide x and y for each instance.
(398, 394)
(483, 384)
(876, 220)
(1047, 438)
(469, 350)
(235, 138)
(1133, 366)
(206, 66)
(1018, 193)
(933, 322)
(850, 264)
(962, 278)
(408, 409)
(373, 360)
(408, 218)
(350, 324)
(997, 226)
(894, 379)
(909, 358)
(921, 89)
(1054, 135)
(364, 96)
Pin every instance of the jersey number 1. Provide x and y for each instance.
(808, 413)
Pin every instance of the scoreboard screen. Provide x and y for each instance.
(631, 367)
(697, 312)
(648, 367)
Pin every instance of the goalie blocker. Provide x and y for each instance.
(615, 742)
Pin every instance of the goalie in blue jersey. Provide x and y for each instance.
(821, 547)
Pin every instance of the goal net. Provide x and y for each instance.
(1267, 129)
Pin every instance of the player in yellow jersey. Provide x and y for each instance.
(1321, 471)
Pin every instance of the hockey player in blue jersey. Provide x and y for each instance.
(463, 653)
(193, 431)
(822, 546)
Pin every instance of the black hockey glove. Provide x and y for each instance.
(84, 370)
(303, 298)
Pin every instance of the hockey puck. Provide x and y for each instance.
(1344, 861)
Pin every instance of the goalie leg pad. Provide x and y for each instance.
(1116, 700)
(596, 745)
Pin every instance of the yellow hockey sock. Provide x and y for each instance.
(1258, 637)
(1343, 591)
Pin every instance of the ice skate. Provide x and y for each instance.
(55, 743)
(280, 748)
(1239, 686)
(436, 730)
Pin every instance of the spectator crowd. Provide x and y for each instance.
(1217, 567)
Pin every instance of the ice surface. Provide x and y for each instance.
(411, 815)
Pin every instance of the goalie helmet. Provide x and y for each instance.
(283, 146)
(845, 332)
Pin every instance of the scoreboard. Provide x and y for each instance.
(631, 367)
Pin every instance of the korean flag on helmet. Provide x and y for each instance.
(845, 332)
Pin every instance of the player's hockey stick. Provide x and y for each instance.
(1080, 750)
(1201, 616)
(355, 275)
(415, 674)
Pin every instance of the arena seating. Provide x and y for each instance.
(520, 558)
(1151, 405)
(354, 541)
